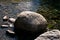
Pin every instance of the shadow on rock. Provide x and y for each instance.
(26, 35)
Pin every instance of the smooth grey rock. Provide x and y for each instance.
(11, 25)
(30, 21)
(5, 18)
(10, 32)
(4, 26)
(12, 20)
(49, 35)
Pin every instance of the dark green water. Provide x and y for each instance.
(11, 10)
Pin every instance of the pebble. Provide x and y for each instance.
(5, 18)
(12, 20)
(10, 33)
(11, 25)
(4, 26)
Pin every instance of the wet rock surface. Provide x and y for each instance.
(49, 35)
(11, 10)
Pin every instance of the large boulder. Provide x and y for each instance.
(30, 21)
(49, 35)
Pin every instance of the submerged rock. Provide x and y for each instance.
(30, 21)
(49, 35)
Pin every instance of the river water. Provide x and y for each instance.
(11, 10)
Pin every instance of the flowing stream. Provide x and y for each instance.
(12, 9)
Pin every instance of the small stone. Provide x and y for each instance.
(11, 33)
(12, 20)
(5, 18)
(4, 26)
(11, 25)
